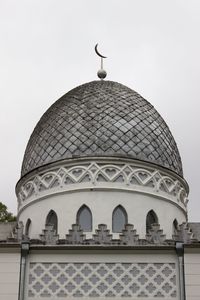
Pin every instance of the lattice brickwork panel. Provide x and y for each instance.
(102, 280)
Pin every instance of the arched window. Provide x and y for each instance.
(151, 219)
(27, 228)
(175, 227)
(84, 218)
(52, 220)
(119, 219)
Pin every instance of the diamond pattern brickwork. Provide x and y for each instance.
(148, 280)
(101, 118)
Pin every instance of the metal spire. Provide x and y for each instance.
(101, 73)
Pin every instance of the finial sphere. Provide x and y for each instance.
(101, 74)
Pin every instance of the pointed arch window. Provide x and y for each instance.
(151, 219)
(27, 228)
(119, 219)
(175, 226)
(84, 218)
(52, 219)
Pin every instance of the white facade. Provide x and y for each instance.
(192, 273)
(9, 272)
(102, 205)
(63, 272)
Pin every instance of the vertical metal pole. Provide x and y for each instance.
(24, 253)
(180, 254)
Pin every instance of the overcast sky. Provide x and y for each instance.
(47, 48)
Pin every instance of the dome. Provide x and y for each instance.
(101, 119)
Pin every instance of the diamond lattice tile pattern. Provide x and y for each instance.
(101, 118)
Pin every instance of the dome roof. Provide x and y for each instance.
(101, 119)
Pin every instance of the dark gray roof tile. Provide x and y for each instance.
(101, 118)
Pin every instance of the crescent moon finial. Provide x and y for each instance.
(97, 52)
(101, 73)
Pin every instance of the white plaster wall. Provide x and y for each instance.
(9, 275)
(192, 275)
(101, 204)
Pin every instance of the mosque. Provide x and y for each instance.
(102, 205)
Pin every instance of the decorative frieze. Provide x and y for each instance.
(155, 235)
(129, 236)
(49, 235)
(75, 235)
(18, 232)
(102, 236)
(123, 176)
(184, 234)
